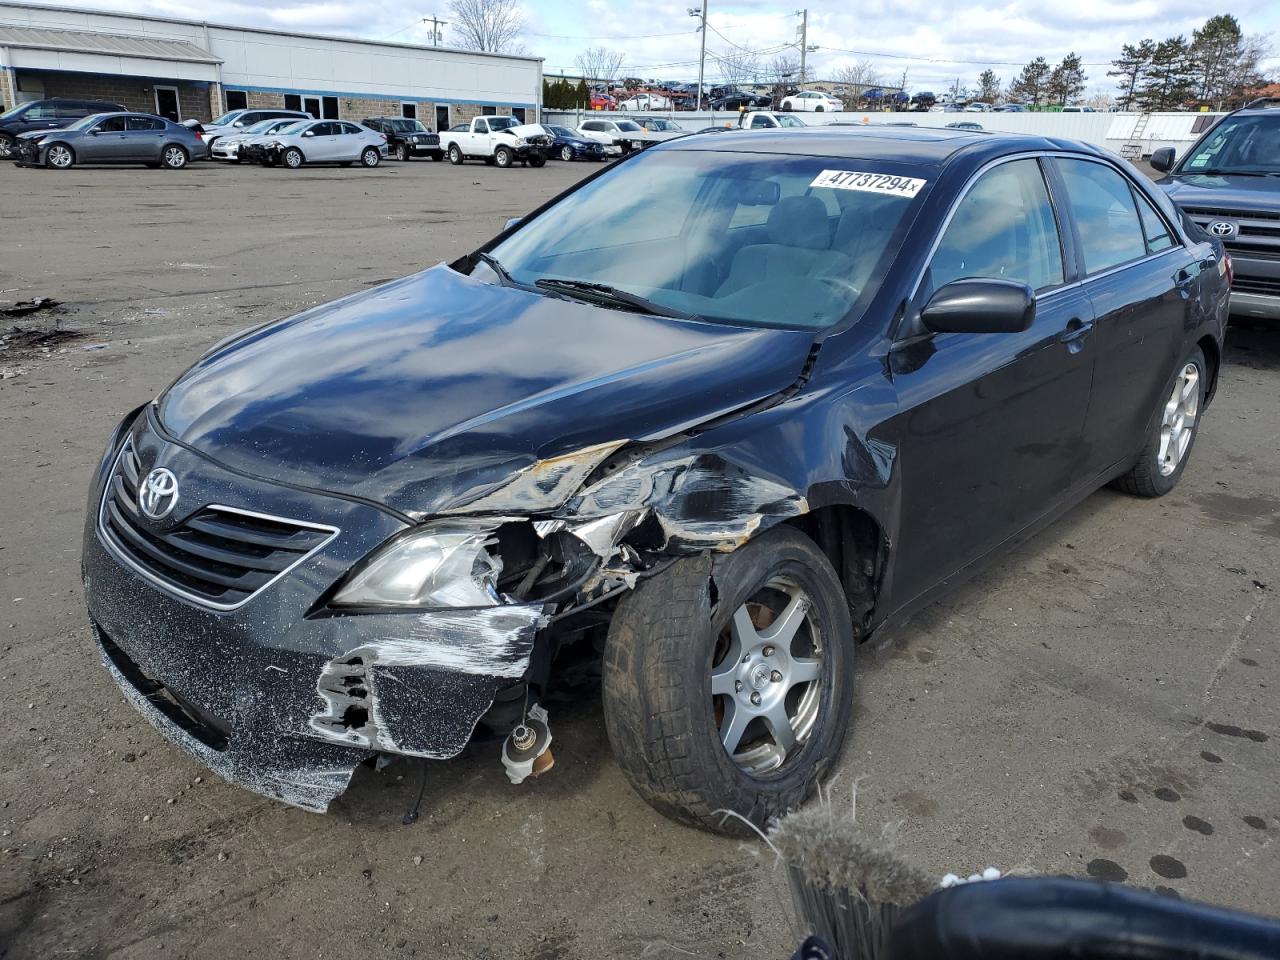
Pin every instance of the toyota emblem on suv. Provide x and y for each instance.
(158, 494)
(1222, 228)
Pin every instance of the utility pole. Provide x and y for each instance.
(804, 41)
(437, 36)
(702, 55)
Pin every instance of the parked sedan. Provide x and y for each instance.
(114, 138)
(568, 144)
(742, 101)
(812, 100)
(616, 136)
(236, 121)
(44, 115)
(229, 146)
(319, 141)
(698, 427)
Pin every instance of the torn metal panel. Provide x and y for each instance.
(422, 694)
(544, 485)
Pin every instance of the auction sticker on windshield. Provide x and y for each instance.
(869, 182)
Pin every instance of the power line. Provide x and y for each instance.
(979, 63)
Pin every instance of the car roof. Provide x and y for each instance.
(1263, 105)
(920, 145)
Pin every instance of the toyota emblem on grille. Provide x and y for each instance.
(1222, 228)
(158, 494)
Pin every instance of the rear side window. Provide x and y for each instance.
(1002, 229)
(1105, 215)
(146, 123)
(73, 111)
(1155, 229)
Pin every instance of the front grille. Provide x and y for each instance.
(1256, 253)
(1266, 286)
(219, 556)
(1210, 214)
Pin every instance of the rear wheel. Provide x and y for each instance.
(370, 157)
(403, 153)
(174, 157)
(503, 157)
(437, 156)
(566, 153)
(292, 158)
(455, 155)
(537, 160)
(739, 703)
(60, 157)
(1165, 454)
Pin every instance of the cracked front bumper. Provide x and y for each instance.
(273, 699)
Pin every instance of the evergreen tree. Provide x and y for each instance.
(1131, 68)
(1170, 80)
(1066, 83)
(988, 86)
(582, 95)
(1215, 48)
(1029, 87)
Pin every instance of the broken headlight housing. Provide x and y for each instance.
(437, 566)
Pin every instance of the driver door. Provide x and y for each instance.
(991, 425)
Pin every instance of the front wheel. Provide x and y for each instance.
(6, 147)
(503, 157)
(292, 158)
(566, 153)
(739, 703)
(174, 157)
(1168, 447)
(819, 109)
(455, 155)
(60, 157)
(370, 157)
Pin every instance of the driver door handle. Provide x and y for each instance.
(1075, 330)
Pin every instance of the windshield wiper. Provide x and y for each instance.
(493, 264)
(603, 293)
(1223, 172)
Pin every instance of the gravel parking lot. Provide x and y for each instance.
(1100, 702)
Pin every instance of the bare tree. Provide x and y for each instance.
(738, 67)
(492, 25)
(599, 63)
(855, 79)
(782, 73)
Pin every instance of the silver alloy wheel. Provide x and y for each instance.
(765, 696)
(6, 148)
(370, 157)
(293, 159)
(60, 157)
(1178, 421)
(175, 158)
(566, 152)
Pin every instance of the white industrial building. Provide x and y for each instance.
(191, 69)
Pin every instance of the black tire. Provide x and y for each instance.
(455, 155)
(537, 160)
(403, 153)
(437, 156)
(658, 707)
(370, 157)
(566, 153)
(53, 157)
(292, 158)
(347, 163)
(819, 109)
(6, 146)
(174, 157)
(503, 157)
(1146, 479)
(786, 108)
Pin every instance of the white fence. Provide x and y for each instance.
(1112, 131)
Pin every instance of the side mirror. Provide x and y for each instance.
(308, 133)
(1162, 159)
(238, 123)
(980, 306)
(93, 132)
(511, 223)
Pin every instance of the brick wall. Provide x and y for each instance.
(256, 98)
(136, 93)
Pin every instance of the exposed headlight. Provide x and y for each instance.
(445, 565)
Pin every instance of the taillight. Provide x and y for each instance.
(199, 135)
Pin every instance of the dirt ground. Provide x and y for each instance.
(1100, 702)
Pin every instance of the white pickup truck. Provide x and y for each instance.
(498, 140)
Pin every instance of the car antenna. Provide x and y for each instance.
(411, 817)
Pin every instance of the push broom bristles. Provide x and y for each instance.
(848, 885)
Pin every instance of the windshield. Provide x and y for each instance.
(15, 112)
(563, 132)
(629, 125)
(262, 126)
(226, 118)
(746, 239)
(662, 125)
(1240, 144)
(85, 122)
(501, 123)
(294, 127)
(786, 120)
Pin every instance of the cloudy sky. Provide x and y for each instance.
(935, 41)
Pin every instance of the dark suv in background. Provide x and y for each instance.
(407, 138)
(47, 115)
(1229, 185)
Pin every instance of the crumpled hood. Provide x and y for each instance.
(424, 393)
(1225, 192)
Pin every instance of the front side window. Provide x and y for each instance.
(501, 123)
(1106, 218)
(111, 125)
(1002, 229)
(789, 121)
(670, 227)
(1242, 145)
(40, 111)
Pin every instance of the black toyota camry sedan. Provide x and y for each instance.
(696, 428)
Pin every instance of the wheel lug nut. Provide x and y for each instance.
(755, 698)
(768, 651)
(737, 686)
(776, 676)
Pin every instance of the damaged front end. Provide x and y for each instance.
(388, 637)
